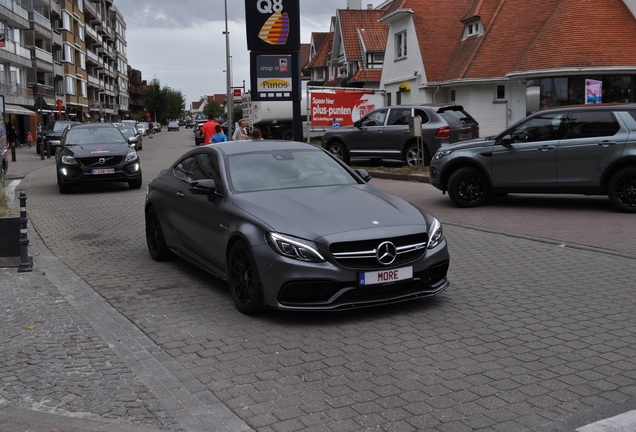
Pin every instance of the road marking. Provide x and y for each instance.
(625, 422)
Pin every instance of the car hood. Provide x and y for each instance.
(315, 212)
(474, 143)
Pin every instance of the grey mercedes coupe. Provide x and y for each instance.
(292, 227)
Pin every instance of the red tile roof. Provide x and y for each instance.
(323, 53)
(366, 21)
(521, 36)
(367, 75)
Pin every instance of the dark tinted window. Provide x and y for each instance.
(456, 117)
(206, 168)
(376, 118)
(420, 112)
(399, 116)
(589, 124)
(543, 127)
(183, 169)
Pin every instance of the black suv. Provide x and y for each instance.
(52, 134)
(385, 134)
(588, 149)
(96, 152)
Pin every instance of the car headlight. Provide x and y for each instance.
(69, 160)
(435, 234)
(131, 156)
(442, 153)
(294, 248)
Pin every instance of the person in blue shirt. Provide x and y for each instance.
(219, 136)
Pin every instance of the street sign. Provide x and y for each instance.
(59, 103)
(272, 25)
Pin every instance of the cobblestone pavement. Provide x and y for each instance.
(536, 333)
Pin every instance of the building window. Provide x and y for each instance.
(82, 60)
(473, 27)
(66, 21)
(82, 32)
(83, 89)
(67, 55)
(452, 96)
(69, 85)
(400, 45)
(500, 92)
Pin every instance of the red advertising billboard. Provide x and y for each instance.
(342, 107)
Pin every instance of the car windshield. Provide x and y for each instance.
(59, 126)
(282, 169)
(128, 131)
(94, 136)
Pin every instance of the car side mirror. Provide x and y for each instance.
(356, 123)
(364, 174)
(203, 187)
(506, 140)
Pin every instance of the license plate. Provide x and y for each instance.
(385, 276)
(103, 171)
(465, 135)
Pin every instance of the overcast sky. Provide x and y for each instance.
(181, 42)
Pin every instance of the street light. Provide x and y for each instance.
(228, 95)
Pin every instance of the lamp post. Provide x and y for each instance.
(229, 102)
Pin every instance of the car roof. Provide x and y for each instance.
(603, 107)
(230, 148)
(93, 125)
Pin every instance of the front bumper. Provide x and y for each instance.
(296, 285)
(74, 174)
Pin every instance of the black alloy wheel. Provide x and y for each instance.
(245, 282)
(468, 187)
(154, 236)
(621, 190)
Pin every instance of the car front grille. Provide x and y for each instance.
(108, 161)
(362, 255)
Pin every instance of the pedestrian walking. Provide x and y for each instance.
(240, 134)
(12, 135)
(208, 128)
(219, 136)
(29, 139)
(151, 128)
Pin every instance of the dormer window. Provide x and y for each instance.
(473, 27)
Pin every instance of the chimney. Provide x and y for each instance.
(369, 6)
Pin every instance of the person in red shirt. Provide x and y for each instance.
(208, 129)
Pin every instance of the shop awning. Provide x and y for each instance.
(16, 109)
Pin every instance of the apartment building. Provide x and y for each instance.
(62, 58)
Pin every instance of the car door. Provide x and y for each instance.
(367, 139)
(396, 131)
(592, 141)
(528, 160)
(200, 222)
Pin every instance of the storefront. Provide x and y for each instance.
(576, 90)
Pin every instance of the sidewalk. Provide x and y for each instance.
(26, 160)
(72, 363)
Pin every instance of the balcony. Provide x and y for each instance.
(40, 21)
(19, 15)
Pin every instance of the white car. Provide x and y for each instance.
(173, 125)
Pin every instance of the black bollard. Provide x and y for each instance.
(25, 263)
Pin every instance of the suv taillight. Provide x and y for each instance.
(443, 132)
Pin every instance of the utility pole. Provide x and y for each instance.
(229, 103)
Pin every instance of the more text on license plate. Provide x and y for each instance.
(385, 276)
(103, 171)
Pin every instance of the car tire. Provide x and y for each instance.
(63, 187)
(155, 240)
(413, 158)
(621, 190)
(468, 187)
(135, 184)
(339, 150)
(245, 282)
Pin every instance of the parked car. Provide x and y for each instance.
(142, 128)
(198, 135)
(134, 138)
(384, 133)
(189, 123)
(587, 150)
(52, 133)
(96, 152)
(173, 125)
(130, 123)
(4, 158)
(157, 126)
(300, 229)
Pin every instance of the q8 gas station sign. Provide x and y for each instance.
(273, 38)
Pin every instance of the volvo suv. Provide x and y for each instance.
(588, 149)
(385, 133)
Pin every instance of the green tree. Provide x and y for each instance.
(214, 108)
(164, 103)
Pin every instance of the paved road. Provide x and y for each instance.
(536, 332)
